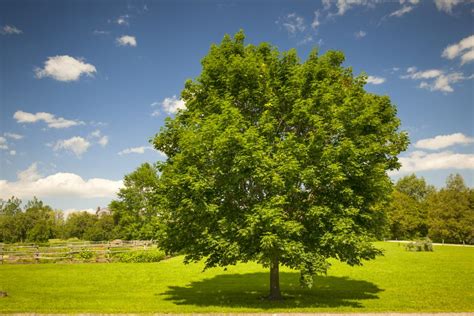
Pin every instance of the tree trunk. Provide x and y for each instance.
(275, 293)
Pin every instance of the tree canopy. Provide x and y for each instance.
(276, 160)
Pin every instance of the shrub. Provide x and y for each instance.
(141, 256)
(424, 244)
(86, 254)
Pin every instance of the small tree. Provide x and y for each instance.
(276, 161)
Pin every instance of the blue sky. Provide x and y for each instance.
(85, 85)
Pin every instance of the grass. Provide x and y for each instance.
(400, 281)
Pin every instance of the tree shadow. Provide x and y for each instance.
(247, 290)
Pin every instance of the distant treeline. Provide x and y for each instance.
(416, 210)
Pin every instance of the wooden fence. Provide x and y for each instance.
(72, 252)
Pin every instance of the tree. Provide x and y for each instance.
(407, 213)
(80, 225)
(135, 212)
(451, 212)
(11, 226)
(277, 161)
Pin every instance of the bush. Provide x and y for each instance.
(420, 245)
(141, 256)
(86, 254)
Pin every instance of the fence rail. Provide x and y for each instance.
(72, 252)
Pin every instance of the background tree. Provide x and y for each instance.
(276, 160)
(407, 213)
(451, 212)
(135, 211)
(11, 221)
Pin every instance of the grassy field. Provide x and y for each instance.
(399, 281)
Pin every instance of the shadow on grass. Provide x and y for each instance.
(247, 290)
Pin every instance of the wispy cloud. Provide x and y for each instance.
(343, 6)
(10, 30)
(127, 40)
(140, 151)
(292, 23)
(123, 20)
(360, 34)
(448, 5)
(402, 11)
(50, 119)
(3, 143)
(443, 141)
(99, 32)
(65, 68)
(13, 136)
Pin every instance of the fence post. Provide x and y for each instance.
(1, 253)
(37, 254)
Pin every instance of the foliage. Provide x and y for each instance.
(135, 212)
(86, 254)
(451, 212)
(400, 281)
(141, 256)
(420, 245)
(277, 160)
(407, 212)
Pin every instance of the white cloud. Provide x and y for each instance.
(316, 23)
(135, 150)
(65, 68)
(100, 32)
(360, 34)
(3, 143)
(48, 118)
(344, 5)
(422, 161)
(122, 20)
(465, 49)
(103, 141)
(440, 81)
(127, 40)
(307, 39)
(10, 30)
(173, 105)
(140, 150)
(443, 141)
(30, 183)
(447, 5)
(375, 80)
(14, 136)
(76, 144)
(402, 11)
(293, 23)
(409, 1)
(12, 152)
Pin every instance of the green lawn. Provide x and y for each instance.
(400, 281)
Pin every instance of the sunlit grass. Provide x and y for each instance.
(400, 281)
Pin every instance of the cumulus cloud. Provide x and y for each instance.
(463, 49)
(360, 34)
(402, 11)
(76, 144)
(13, 136)
(50, 119)
(375, 80)
(447, 5)
(443, 141)
(135, 150)
(30, 183)
(65, 68)
(422, 161)
(438, 79)
(12, 152)
(10, 30)
(173, 105)
(103, 141)
(127, 40)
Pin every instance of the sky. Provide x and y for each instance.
(84, 85)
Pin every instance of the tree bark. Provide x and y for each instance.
(275, 293)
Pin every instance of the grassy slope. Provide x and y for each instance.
(399, 281)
